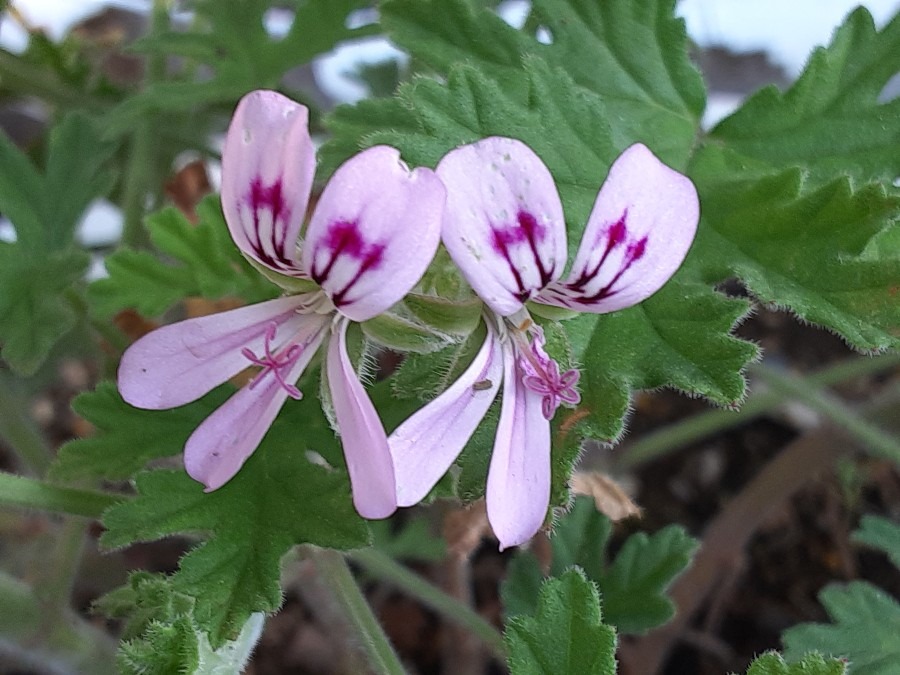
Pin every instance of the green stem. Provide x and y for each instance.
(140, 173)
(675, 436)
(56, 577)
(20, 432)
(387, 569)
(336, 573)
(37, 494)
(873, 438)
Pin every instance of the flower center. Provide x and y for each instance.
(540, 373)
(275, 362)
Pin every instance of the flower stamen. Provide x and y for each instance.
(541, 374)
(275, 362)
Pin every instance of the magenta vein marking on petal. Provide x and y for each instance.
(615, 234)
(270, 197)
(344, 238)
(634, 253)
(528, 230)
(275, 363)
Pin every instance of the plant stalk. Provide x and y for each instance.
(37, 494)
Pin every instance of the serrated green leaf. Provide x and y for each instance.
(830, 121)
(882, 534)
(865, 629)
(566, 634)
(34, 313)
(632, 586)
(801, 249)
(207, 261)
(45, 208)
(239, 51)
(277, 500)
(771, 663)
(653, 94)
(127, 437)
(679, 337)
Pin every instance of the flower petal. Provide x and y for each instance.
(504, 224)
(427, 443)
(179, 363)
(639, 232)
(518, 484)
(218, 448)
(374, 232)
(362, 434)
(268, 164)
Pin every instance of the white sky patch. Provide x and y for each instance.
(101, 225)
(333, 70)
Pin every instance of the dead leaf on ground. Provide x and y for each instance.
(609, 498)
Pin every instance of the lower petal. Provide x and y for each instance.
(427, 443)
(362, 434)
(218, 448)
(518, 485)
(179, 363)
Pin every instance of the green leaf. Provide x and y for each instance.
(521, 586)
(679, 337)
(277, 500)
(830, 121)
(207, 261)
(653, 94)
(634, 585)
(771, 663)
(865, 629)
(566, 634)
(34, 311)
(127, 437)
(45, 209)
(238, 50)
(882, 534)
(801, 249)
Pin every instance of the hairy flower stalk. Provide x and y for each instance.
(372, 235)
(505, 230)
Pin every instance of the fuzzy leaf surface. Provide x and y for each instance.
(882, 534)
(830, 121)
(206, 263)
(803, 249)
(771, 663)
(566, 633)
(277, 500)
(865, 629)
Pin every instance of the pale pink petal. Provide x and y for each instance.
(268, 164)
(179, 363)
(362, 434)
(518, 485)
(639, 232)
(218, 448)
(374, 232)
(504, 224)
(427, 443)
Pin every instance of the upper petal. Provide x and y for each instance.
(218, 448)
(179, 363)
(268, 164)
(427, 443)
(518, 485)
(504, 224)
(374, 232)
(639, 232)
(362, 434)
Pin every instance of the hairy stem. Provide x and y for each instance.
(37, 494)
(336, 573)
(387, 569)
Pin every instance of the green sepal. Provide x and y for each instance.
(403, 335)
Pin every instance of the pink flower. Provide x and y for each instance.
(373, 233)
(504, 228)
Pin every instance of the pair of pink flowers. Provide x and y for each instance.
(374, 231)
